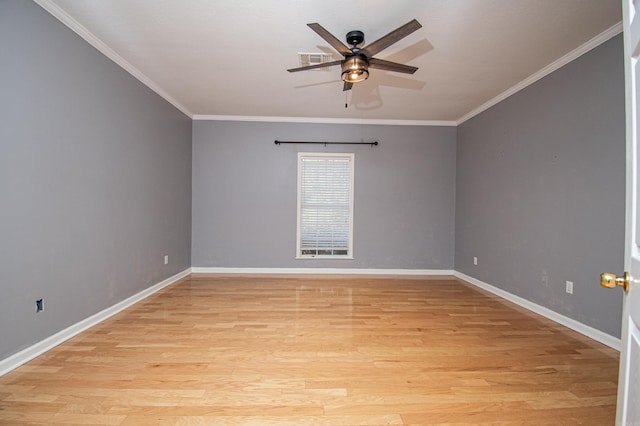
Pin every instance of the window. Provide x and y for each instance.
(325, 205)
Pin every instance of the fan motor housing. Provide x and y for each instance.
(355, 37)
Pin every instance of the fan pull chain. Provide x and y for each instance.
(346, 99)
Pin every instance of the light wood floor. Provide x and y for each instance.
(318, 351)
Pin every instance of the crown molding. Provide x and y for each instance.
(98, 44)
(555, 65)
(323, 120)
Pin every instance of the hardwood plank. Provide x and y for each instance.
(318, 350)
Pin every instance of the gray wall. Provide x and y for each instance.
(540, 190)
(244, 194)
(96, 170)
(95, 180)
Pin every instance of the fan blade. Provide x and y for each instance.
(347, 86)
(394, 36)
(313, 67)
(381, 64)
(330, 38)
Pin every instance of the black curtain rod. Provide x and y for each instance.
(330, 143)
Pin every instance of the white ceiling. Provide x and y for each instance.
(229, 58)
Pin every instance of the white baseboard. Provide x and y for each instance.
(324, 271)
(592, 333)
(16, 360)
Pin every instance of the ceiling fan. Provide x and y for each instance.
(356, 62)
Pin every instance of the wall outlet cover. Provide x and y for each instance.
(570, 287)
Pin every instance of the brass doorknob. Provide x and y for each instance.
(610, 280)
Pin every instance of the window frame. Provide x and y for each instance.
(351, 158)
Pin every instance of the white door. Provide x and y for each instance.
(628, 408)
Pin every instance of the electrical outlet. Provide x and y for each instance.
(570, 287)
(475, 260)
(166, 259)
(39, 306)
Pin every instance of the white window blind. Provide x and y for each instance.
(325, 205)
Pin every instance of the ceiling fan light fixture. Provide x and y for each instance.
(355, 69)
(355, 65)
